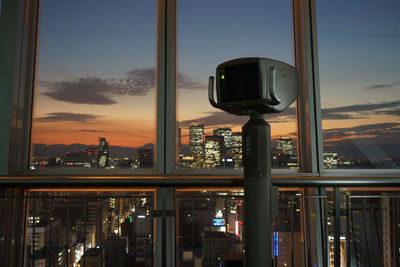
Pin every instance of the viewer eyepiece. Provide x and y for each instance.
(248, 85)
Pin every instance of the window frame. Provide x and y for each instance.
(310, 143)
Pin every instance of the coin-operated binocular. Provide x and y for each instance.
(248, 85)
(255, 86)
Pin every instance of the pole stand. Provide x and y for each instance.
(257, 191)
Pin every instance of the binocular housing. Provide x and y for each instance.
(249, 85)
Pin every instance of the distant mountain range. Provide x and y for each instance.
(346, 149)
(59, 150)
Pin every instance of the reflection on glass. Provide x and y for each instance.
(94, 103)
(210, 228)
(369, 226)
(359, 73)
(89, 228)
(210, 33)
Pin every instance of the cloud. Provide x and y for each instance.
(220, 118)
(187, 82)
(65, 116)
(388, 131)
(82, 91)
(383, 85)
(98, 91)
(93, 131)
(361, 110)
(393, 112)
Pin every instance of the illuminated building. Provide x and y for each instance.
(213, 151)
(330, 160)
(79, 159)
(284, 144)
(237, 150)
(227, 134)
(186, 162)
(104, 153)
(178, 141)
(226, 149)
(284, 155)
(196, 142)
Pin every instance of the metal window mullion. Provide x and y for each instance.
(161, 85)
(166, 76)
(171, 76)
(309, 105)
(26, 31)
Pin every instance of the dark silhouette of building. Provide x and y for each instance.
(145, 158)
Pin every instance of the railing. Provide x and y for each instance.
(316, 222)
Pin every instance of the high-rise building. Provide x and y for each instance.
(196, 142)
(284, 145)
(178, 134)
(227, 149)
(330, 160)
(227, 134)
(237, 150)
(213, 151)
(104, 153)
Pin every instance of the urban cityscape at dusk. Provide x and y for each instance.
(88, 86)
(222, 148)
(113, 156)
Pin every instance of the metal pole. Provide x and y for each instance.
(257, 184)
(336, 235)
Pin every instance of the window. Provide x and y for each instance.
(95, 85)
(359, 64)
(210, 33)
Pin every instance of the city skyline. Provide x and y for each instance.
(90, 85)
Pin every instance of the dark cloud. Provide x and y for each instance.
(82, 91)
(97, 91)
(65, 116)
(393, 112)
(383, 85)
(93, 131)
(389, 131)
(360, 111)
(219, 118)
(187, 82)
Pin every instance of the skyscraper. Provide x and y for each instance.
(178, 134)
(330, 160)
(284, 144)
(196, 142)
(213, 151)
(104, 153)
(237, 150)
(227, 134)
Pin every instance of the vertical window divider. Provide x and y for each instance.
(161, 85)
(309, 104)
(23, 79)
(171, 76)
(166, 77)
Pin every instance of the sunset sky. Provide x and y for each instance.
(96, 66)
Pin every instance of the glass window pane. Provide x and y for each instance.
(210, 228)
(359, 63)
(210, 33)
(94, 102)
(89, 228)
